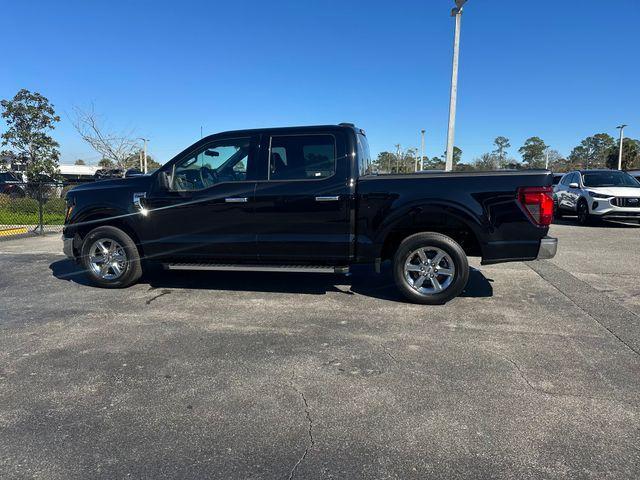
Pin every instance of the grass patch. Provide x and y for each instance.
(28, 218)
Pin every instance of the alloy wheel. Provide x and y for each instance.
(107, 259)
(429, 270)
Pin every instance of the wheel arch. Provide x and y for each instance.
(103, 216)
(453, 221)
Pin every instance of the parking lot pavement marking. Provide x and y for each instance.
(611, 315)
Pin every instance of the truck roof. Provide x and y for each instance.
(295, 129)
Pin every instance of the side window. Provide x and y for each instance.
(573, 178)
(302, 157)
(217, 162)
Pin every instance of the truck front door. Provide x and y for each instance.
(303, 204)
(202, 207)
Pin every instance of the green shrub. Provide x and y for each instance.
(4, 200)
(22, 205)
(55, 205)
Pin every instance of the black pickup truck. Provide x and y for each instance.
(307, 199)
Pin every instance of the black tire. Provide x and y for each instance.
(557, 213)
(132, 270)
(431, 240)
(584, 217)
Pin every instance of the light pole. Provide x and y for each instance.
(457, 13)
(546, 158)
(145, 140)
(621, 128)
(398, 158)
(422, 132)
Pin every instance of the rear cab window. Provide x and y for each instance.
(364, 157)
(302, 157)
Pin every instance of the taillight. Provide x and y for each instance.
(537, 202)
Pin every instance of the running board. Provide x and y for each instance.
(256, 268)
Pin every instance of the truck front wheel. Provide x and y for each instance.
(430, 268)
(110, 258)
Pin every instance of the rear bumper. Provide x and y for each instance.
(548, 248)
(519, 250)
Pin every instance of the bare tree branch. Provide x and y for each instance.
(115, 147)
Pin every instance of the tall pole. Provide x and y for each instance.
(546, 158)
(397, 158)
(454, 91)
(422, 132)
(145, 156)
(621, 127)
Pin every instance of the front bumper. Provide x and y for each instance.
(67, 247)
(548, 248)
(603, 208)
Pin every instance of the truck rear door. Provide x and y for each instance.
(302, 206)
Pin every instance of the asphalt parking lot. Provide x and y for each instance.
(533, 373)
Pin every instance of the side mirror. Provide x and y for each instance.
(574, 185)
(163, 181)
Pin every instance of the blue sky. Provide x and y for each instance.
(559, 70)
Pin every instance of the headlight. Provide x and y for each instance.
(599, 195)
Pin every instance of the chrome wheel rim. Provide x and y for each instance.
(107, 259)
(429, 270)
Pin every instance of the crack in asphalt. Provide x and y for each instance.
(311, 442)
(162, 294)
(388, 353)
(547, 392)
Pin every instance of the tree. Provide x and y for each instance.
(384, 162)
(593, 151)
(487, 161)
(106, 164)
(630, 155)
(533, 152)
(30, 117)
(116, 147)
(457, 156)
(133, 161)
(79, 162)
(501, 143)
(557, 163)
(434, 163)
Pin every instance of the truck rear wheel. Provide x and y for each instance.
(430, 268)
(110, 258)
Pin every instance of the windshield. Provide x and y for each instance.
(609, 179)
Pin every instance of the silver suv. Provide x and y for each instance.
(603, 194)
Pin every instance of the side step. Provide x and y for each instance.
(219, 267)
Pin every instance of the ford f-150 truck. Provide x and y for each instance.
(307, 199)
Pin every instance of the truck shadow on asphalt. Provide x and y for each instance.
(363, 281)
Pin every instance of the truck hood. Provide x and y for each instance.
(616, 191)
(142, 183)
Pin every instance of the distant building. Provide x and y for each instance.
(78, 172)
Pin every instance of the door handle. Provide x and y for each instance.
(328, 199)
(236, 200)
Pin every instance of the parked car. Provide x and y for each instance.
(305, 199)
(16, 186)
(598, 194)
(12, 184)
(107, 173)
(556, 178)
